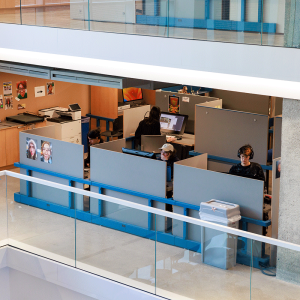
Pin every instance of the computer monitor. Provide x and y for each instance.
(152, 143)
(132, 94)
(172, 123)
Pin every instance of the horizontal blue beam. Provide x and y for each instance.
(207, 24)
(100, 118)
(256, 222)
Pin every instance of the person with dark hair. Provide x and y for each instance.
(149, 125)
(246, 168)
(93, 139)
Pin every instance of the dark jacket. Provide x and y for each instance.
(253, 171)
(146, 128)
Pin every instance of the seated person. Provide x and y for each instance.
(149, 125)
(246, 168)
(93, 139)
(168, 154)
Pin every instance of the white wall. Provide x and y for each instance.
(4, 284)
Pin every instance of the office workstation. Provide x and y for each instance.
(110, 166)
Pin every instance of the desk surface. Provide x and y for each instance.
(187, 140)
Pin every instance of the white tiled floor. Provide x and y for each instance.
(60, 17)
(170, 271)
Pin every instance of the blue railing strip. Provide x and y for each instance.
(150, 198)
(100, 118)
(226, 160)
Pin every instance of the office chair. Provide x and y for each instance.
(117, 129)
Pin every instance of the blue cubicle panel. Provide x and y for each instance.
(66, 158)
(139, 174)
(194, 184)
(221, 132)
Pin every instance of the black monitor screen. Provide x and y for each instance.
(173, 123)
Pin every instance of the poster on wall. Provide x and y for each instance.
(8, 102)
(174, 104)
(21, 106)
(50, 88)
(7, 88)
(39, 91)
(22, 89)
(46, 152)
(31, 149)
(1, 102)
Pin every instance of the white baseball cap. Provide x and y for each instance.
(167, 147)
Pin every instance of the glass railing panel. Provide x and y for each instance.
(199, 263)
(116, 242)
(10, 12)
(147, 17)
(3, 211)
(277, 274)
(40, 226)
(56, 13)
(276, 31)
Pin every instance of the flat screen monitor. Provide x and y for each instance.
(152, 143)
(172, 123)
(132, 94)
(138, 153)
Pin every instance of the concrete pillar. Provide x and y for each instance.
(288, 262)
(292, 24)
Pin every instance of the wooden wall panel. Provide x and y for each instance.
(12, 145)
(2, 149)
(149, 96)
(65, 93)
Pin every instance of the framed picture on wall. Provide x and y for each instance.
(22, 89)
(50, 88)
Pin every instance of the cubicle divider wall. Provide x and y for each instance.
(187, 104)
(132, 117)
(221, 132)
(194, 184)
(50, 156)
(142, 175)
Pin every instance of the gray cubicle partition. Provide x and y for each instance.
(221, 132)
(132, 117)
(115, 145)
(67, 159)
(257, 104)
(194, 184)
(277, 137)
(187, 104)
(129, 172)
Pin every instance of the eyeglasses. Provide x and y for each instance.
(164, 153)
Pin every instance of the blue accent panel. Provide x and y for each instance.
(207, 9)
(100, 206)
(226, 160)
(165, 238)
(206, 23)
(256, 222)
(83, 216)
(245, 259)
(100, 118)
(243, 10)
(56, 208)
(22, 166)
(188, 244)
(150, 222)
(259, 11)
(71, 203)
(156, 7)
(185, 212)
(28, 184)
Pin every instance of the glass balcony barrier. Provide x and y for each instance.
(259, 22)
(126, 239)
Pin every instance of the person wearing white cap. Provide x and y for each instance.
(168, 154)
